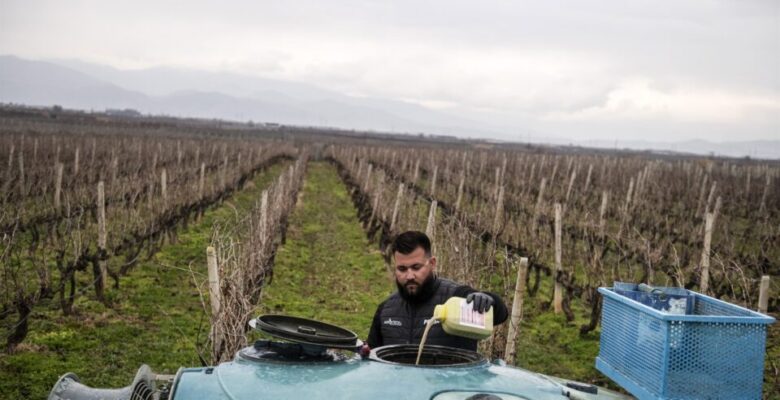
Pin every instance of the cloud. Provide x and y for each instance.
(525, 64)
(639, 100)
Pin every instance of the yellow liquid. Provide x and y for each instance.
(431, 322)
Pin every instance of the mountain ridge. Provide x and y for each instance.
(190, 93)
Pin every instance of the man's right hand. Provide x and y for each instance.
(482, 301)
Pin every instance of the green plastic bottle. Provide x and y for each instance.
(458, 318)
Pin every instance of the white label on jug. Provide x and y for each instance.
(470, 317)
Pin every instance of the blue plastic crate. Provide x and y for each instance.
(716, 352)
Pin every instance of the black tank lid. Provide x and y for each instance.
(306, 331)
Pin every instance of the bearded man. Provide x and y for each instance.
(401, 318)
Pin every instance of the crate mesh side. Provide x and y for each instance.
(715, 360)
(633, 344)
(705, 306)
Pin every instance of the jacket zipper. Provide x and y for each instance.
(411, 325)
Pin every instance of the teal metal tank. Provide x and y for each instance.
(317, 361)
(248, 377)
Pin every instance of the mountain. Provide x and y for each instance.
(760, 149)
(42, 83)
(210, 95)
(329, 107)
(161, 81)
(190, 93)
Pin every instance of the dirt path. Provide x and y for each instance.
(327, 270)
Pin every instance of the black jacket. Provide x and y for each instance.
(398, 321)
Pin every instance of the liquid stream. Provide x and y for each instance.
(431, 322)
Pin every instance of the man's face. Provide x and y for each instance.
(413, 269)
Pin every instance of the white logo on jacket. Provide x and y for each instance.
(392, 322)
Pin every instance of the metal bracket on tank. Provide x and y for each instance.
(143, 387)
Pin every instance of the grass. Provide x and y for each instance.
(155, 317)
(550, 345)
(327, 270)
(772, 361)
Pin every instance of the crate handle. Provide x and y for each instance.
(649, 289)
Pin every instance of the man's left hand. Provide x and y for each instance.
(482, 301)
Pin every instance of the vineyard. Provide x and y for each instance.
(106, 224)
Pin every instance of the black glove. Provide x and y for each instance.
(482, 301)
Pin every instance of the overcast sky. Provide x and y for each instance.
(662, 70)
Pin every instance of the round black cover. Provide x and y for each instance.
(307, 331)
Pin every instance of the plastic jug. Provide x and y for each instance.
(458, 318)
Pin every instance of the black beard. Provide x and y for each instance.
(424, 291)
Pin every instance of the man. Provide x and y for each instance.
(401, 318)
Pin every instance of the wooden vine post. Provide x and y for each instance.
(213, 271)
(538, 207)
(76, 161)
(9, 171)
(433, 180)
(223, 174)
(571, 186)
(280, 191)
(22, 186)
(626, 208)
(704, 281)
(762, 208)
(398, 198)
(263, 218)
(702, 192)
(58, 187)
(367, 181)
(603, 214)
(377, 201)
(517, 312)
(114, 168)
(499, 217)
(711, 196)
(102, 235)
(587, 179)
(202, 181)
(763, 295)
(150, 193)
(460, 189)
(164, 187)
(497, 183)
(558, 291)
(430, 229)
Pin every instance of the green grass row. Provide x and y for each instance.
(327, 270)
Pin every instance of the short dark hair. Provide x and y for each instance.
(408, 241)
